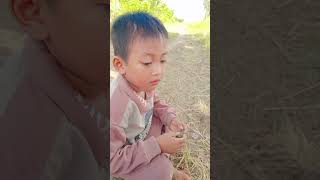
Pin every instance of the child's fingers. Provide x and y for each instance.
(185, 136)
(181, 125)
(171, 134)
(176, 134)
(181, 140)
(179, 134)
(185, 126)
(181, 146)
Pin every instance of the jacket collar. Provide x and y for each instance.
(48, 76)
(141, 103)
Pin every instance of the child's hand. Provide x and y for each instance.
(177, 126)
(169, 143)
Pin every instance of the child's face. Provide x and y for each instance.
(75, 32)
(77, 36)
(146, 63)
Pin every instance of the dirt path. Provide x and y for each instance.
(186, 83)
(187, 87)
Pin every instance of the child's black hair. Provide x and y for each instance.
(131, 25)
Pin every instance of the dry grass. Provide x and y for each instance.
(186, 86)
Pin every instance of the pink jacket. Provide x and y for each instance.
(129, 118)
(45, 133)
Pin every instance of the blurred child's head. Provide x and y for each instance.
(74, 31)
(139, 41)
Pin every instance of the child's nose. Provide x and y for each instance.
(157, 70)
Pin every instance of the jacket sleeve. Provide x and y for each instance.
(125, 158)
(164, 112)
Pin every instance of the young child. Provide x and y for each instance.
(51, 89)
(138, 142)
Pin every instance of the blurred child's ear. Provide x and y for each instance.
(119, 65)
(29, 14)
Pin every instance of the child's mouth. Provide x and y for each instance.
(155, 82)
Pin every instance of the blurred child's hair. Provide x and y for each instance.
(132, 25)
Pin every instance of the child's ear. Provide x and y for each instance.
(30, 15)
(119, 65)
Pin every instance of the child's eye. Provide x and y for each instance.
(146, 64)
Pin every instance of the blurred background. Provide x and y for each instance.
(10, 35)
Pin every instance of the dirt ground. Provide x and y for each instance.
(186, 86)
(267, 83)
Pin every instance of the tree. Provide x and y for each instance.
(206, 4)
(155, 7)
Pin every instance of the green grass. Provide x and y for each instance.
(173, 35)
(179, 28)
(201, 30)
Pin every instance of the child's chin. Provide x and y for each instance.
(151, 88)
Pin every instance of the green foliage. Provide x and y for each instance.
(201, 30)
(155, 7)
